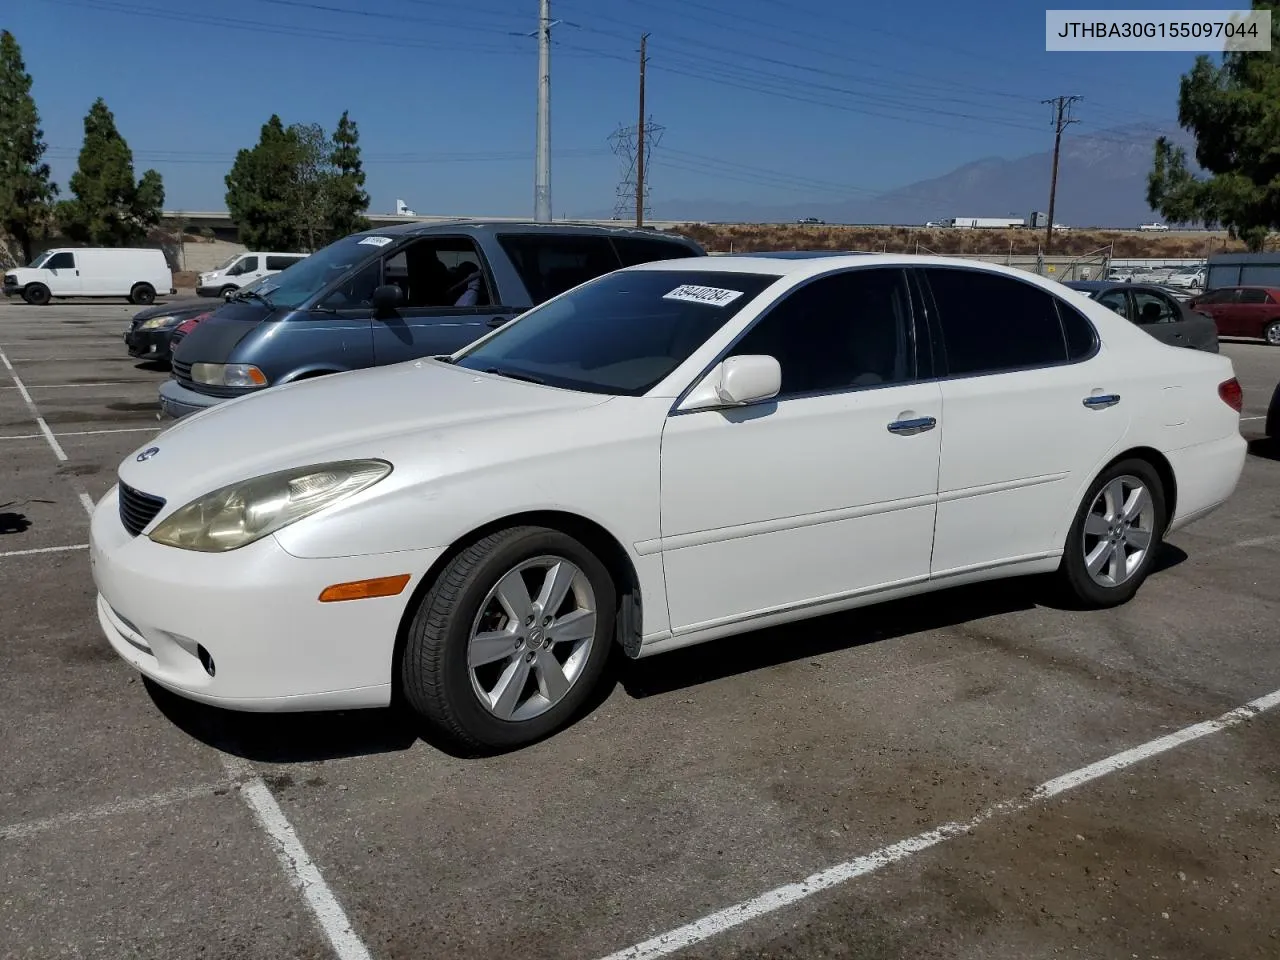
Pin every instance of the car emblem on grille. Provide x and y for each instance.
(147, 454)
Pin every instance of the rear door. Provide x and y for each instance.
(1159, 316)
(1031, 409)
(1223, 307)
(448, 300)
(1253, 310)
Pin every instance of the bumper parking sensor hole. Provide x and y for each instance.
(206, 661)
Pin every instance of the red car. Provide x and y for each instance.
(1243, 311)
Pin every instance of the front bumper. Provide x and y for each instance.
(177, 401)
(210, 291)
(148, 344)
(255, 615)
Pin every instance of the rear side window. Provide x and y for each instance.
(550, 265)
(281, 263)
(992, 323)
(1079, 333)
(633, 250)
(1252, 296)
(61, 261)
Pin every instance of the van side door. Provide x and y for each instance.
(450, 298)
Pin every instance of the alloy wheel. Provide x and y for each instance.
(1118, 531)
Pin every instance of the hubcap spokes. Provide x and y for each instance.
(1118, 531)
(531, 638)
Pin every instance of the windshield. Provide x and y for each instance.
(619, 334)
(40, 260)
(226, 263)
(293, 287)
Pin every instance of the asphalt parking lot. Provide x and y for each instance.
(898, 748)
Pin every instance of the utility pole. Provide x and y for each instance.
(644, 37)
(542, 161)
(1062, 118)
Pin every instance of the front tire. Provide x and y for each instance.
(36, 294)
(1116, 534)
(226, 293)
(1272, 333)
(142, 294)
(510, 640)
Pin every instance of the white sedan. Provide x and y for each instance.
(667, 454)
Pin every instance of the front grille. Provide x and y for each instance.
(181, 370)
(137, 509)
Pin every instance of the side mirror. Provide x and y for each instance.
(387, 297)
(736, 382)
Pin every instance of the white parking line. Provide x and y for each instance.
(31, 405)
(20, 831)
(35, 550)
(80, 433)
(776, 899)
(73, 386)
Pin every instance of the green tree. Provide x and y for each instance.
(310, 191)
(1233, 111)
(260, 190)
(349, 199)
(108, 207)
(26, 192)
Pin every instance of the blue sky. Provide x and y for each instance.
(770, 101)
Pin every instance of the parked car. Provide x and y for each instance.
(1188, 278)
(153, 332)
(242, 269)
(666, 454)
(1155, 310)
(385, 296)
(1243, 311)
(136, 273)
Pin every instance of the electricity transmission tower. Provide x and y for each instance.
(626, 143)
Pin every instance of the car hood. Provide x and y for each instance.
(390, 412)
(188, 305)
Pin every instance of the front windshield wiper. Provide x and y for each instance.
(515, 376)
(254, 295)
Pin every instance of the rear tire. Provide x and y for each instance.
(1272, 333)
(1117, 533)
(484, 664)
(36, 294)
(142, 294)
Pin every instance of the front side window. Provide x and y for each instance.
(992, 323)
(1116, 300)
(620, 334)
(439, 272)
(839, 332)
(1216, 296)
(61, 261)
(247, 265)
(1153, 308)
(550, 265)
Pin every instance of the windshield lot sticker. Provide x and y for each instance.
(377, 241)
(715, 296)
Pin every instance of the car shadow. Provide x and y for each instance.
(309, 737)
(14, 523)
(153, 366)
(1265, 448)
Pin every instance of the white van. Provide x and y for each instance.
(132, 272)
(243, 268)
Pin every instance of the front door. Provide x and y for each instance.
(827, 491)
(1030, 408)
(448, 300)
(1161, 317)
(64, 275)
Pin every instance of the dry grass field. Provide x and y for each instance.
(746, 238)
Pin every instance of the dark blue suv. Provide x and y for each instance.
(395, 294)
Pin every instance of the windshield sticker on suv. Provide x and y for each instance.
(715, 296)
(377, 241)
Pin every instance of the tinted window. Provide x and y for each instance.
(992, 322)
(281, 263)
(1252, 296)
(550, 265)
(61, 261)
(1115, 300)
(247, 265)
(1153, 308)
(1217, 296)
(1078, 331)
(619, 334)
(633, 250)
(852, 329)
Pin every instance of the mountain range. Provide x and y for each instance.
(1102, 182)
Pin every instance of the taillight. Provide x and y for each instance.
(1231, 394)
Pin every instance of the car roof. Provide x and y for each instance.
(560, 227)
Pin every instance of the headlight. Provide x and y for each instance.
(156, 323)
(228, 374)
(241, 513)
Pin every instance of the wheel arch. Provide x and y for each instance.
(1163, 468)
(592, 535)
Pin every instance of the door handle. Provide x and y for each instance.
(498, 321)
(916, 425)
(1102, 400)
